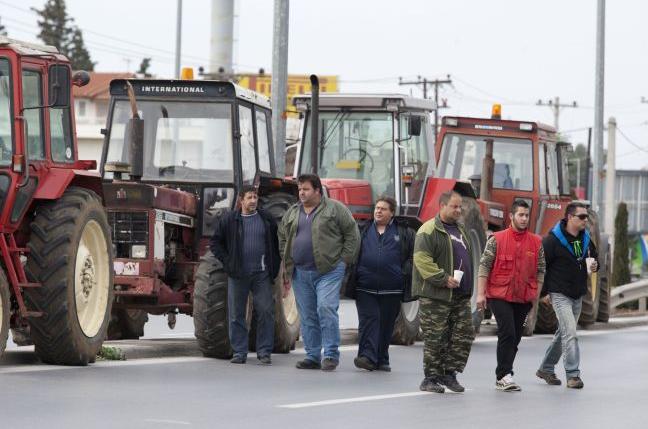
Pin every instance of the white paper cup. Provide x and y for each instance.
(458, 274)
(589, 262)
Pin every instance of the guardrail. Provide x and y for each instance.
(627, 293)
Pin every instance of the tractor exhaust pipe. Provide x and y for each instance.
(314, 122)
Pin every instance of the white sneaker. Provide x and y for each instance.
(506, 384)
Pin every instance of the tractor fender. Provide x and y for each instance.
(58, 180)
(434, 187)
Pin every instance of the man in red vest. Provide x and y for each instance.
(511, 272)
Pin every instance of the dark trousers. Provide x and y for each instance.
(377, 315)
(238, 291)
(510, 317)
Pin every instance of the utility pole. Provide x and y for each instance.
(432, 82)
(556, 106)
(610, 182)
(178, 53)
(280, 82)
(598, 105)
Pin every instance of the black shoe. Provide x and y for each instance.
(575, 383)
(450, 381)
(431, 384)
(362, 362)
(308, 364)
(265, 360)
(384, 367)
(329, 364)
(238, 359)
(549, 377)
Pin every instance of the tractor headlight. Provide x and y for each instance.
(138, 251)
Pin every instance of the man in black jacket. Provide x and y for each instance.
(382, 275)
(569, 254)
(245, 241)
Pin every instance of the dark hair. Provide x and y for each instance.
(313, 179)
(571, 208)
(517, 204)
(245, 189)
(389, 200)
(445, 197)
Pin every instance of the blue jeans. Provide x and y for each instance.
(238, 291)
(318, 300)
(564, 341)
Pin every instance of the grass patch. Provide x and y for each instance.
(111, 353)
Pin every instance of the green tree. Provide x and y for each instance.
(78, 54)
(621, 263)
(144, 66)
(57, 29)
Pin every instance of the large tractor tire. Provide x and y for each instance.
(286, 330)
(407, 326)
(529, 324)
(604, 277)
(210, 308)
(546, 321)
(21, 336)
(5, 309)
(474, 225)
(591, 300)
(71, 256)
(127, 324)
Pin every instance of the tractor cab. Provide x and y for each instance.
(369, 145)
(507, 160)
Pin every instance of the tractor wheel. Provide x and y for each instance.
(286, 330)
(604, 276)
(546, 321)
(591, 300)
(211, 325)
(529, 324)
(406, 328)
(71, 256)
(127, 324)
(4, 311)
(474, 225)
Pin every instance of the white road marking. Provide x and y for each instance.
(358, 399)
(168, 422)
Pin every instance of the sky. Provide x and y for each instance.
(513, 52)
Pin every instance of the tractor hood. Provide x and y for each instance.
(355, 194)
(119, 195)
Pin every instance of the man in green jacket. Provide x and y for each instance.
(318, 239)
(441, 248)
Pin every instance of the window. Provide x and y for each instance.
(32, 97)
(264, 142)
(61, 142)
(542, 169)
(552, 170)
(248, 162)
(414, 153)
(190, 142)
(6, 131)
(462, 158)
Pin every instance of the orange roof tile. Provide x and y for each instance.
(99, 86)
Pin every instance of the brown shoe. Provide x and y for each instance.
(549, 377)
(575, 383)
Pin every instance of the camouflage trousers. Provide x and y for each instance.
(447, 334)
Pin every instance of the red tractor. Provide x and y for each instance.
(176, 152)
(365, 145)
(56, 285)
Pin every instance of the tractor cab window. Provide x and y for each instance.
(32, 89)
(552, 169)
(462, 158)
(414, 157)
(355, 145)
(61, 141)
(248, 161)
(189, 142)
(6, 132)
(542, 169)
(265, 148)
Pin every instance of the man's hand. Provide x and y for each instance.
(481, 302)
(594, 266)
(452, 283)
(546, 299)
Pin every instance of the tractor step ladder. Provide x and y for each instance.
(15, 271)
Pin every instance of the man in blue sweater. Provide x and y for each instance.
(245, 241)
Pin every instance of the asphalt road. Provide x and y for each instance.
(190, 391)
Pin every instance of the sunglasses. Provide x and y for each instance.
(582, 216)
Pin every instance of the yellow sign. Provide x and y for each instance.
(297, 84)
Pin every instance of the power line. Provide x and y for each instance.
(626, 138)
(436, 83)
(556, 105)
